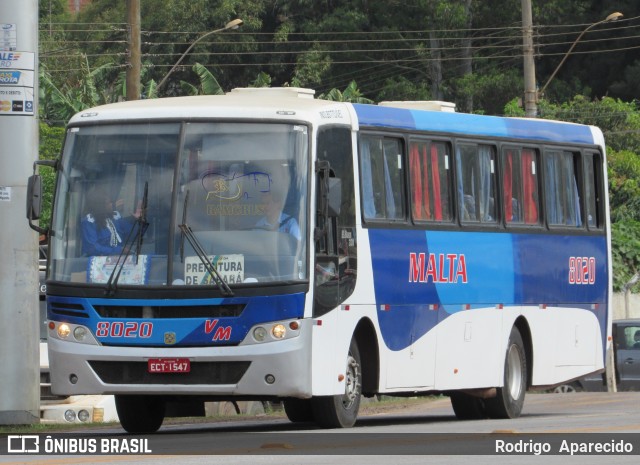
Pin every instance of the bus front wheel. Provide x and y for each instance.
(510, 397)
(467, 407)
(140, 414)
(298, 410)
(341, 411)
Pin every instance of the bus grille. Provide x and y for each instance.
(201, 373)
(154, 311)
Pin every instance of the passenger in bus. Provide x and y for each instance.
(103, 228)
(275, 219)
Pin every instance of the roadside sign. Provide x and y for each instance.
(17, 70)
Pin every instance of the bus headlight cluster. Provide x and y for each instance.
(71, 332)
(275, 331)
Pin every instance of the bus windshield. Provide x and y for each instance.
(157, 204)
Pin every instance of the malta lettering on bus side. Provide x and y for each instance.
(437, 268)
(582, 270)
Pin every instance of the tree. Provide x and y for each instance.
(350, 94)
(208, 83)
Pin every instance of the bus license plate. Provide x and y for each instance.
(169, 365)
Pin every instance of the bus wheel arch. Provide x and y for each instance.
(365, 337)
(525, 332)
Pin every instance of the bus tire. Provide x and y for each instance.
(467, 407)
(509, 398)
(298, 410)
(140, 414)
(341, 411)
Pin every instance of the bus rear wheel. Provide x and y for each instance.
(140, 414)
(341, 411)
(509, 399)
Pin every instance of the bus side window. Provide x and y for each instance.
(520, 186)
(382, 178)
(430, 179)
(593, 190)
(562, 184)
(476, 181)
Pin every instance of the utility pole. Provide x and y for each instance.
(19, 313)
(133, 41)
(530, 92)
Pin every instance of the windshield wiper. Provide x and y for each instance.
(138, 229)
(202, 255)
(142, 219)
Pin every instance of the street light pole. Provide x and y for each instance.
(135, 64)
(234, 24)
(612, 17)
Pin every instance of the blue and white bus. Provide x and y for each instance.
(412, 252)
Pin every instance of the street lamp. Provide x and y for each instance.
(612, 17)
(233, 24)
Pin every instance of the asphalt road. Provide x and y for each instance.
(399, 433)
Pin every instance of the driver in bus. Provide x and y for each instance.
(275, 219)
(103, 228)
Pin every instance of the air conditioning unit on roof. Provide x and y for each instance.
(281, 92)
(433, 105)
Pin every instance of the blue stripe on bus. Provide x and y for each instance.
(499, 269)
(468, 124)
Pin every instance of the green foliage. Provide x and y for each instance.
(208, 83)
(625, 236)
(490, 91)
(401, 88)
(312, 67)
(619, 121)
(514, 108)
(624, 185)
(60, 102)
(350, 94)
(262, 80)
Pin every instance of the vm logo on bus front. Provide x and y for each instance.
(582, 270)
(220, 333)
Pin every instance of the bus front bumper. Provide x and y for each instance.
(272, 369)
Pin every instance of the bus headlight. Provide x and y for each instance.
(260, 334)
(279, 331)
(80, 333)
(64, 330)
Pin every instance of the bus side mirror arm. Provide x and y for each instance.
(34, 195)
